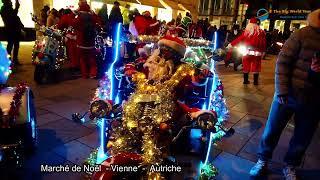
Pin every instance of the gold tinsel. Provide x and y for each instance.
(155, 176)
(125, 138)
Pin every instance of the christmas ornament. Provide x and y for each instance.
(207, 172)
(15, 104)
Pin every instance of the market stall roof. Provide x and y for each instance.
(173, 5)
(122, 3)
(188, 7)
(153, 3)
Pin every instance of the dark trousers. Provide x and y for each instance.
(13, 43)
(306, 122)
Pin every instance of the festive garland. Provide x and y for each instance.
(189, 42)
(15, 105)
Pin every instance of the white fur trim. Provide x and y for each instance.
(174, 45)
(198, 113)
(314, 19)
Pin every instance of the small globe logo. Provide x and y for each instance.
(262, 14)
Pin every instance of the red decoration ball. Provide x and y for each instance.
(164, 126)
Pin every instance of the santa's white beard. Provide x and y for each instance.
(158, 68)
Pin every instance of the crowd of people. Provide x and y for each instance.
(85, 22)
(80, 44)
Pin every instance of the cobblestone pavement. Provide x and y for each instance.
(62, 141)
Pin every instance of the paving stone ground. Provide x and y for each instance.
(62, 141)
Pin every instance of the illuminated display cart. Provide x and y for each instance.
(18, 132)
(107, 111)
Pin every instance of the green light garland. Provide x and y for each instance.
(208, 171)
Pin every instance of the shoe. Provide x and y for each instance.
(246, 78)
(256, 79)
(259, 169)
(227, 63)
(289, 173)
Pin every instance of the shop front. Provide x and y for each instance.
(162, 9)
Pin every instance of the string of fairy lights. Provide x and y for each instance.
(125, 136)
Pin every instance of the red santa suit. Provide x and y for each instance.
(65, 22)
(254, 39)
(85, 24)
(143, 22)
(154, 27)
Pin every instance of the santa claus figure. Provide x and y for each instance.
(152, 115)
(253, 43)
(85, 24)
(65, 22)
(145, 25)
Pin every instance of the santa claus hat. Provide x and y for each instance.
(253, 20)
(173, 42)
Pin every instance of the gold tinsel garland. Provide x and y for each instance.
(188, 41)
(126, 137)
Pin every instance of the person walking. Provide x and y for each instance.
(125, 15)
(231, 35)
(115, 16)
(297, 87)
(44, 13)
(53, 18)
(104, 17)
(65, 22)
(254, 39)
(178, 19)
(13, 28)
(85, 25)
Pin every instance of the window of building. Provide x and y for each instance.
(164, 14)
(25, 10)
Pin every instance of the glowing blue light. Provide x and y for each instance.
(116, 57)
(4, 65)
(83, 120)
(29, 109)
(101, 157)
(117, 100)
(215, 40)
(212, 69)
(201, 165)
(213, 83)
(101, 152)
(33, 128)
(195, 133)
(209, 148)
(204, 107)
(212, 89)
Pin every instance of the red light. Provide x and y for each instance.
(40, 55)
